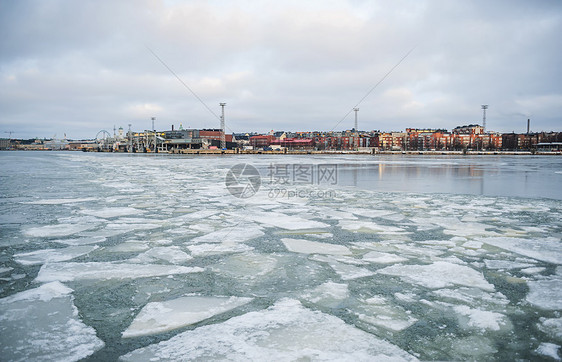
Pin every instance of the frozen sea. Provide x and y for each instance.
(139, 257)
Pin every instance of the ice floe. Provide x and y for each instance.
(552, 327)
(314, 247)
(368, 226)
(53, 255)
(248, 265)
(379, 312)
(546, 293)
(288, 222)
(284, 332)
(439, 275)
(43, 324)
(548, 350)
(205, 249)
(112, 212)
(329, 294)
(158, 317)
(58, 230)
(345, 271)
(545, 249)
(378, 257)
(82, 241)
(505, 264)
(107, 270)
(235, 234)
(480, 319)
(170, 254)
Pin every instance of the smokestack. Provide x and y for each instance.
(172, 127)
(528, 125)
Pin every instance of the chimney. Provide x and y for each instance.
(528, 125)
(172, 127)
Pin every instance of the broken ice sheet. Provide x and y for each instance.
(439, 275)
(379, 312)
(285, 331)
(158, 317)
(483, 320)
(237, 234)
(112, 212)
(345, 271)
(329, 294)
(544, 249)
(43, 324)
(106, 270)
(248, 265)
(53, 255)
(314, 247)
(58, 230)
(170, 254)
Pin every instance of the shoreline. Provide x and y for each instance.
(313, 152)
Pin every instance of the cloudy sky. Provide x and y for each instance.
(76, 67)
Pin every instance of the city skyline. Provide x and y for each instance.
(77, 68)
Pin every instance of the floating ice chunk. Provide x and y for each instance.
(58, 230)
(472, 244)
(247, 266)
(367, 212)
(284, 332)
(53, 255)
(158, 317)
(106, 270)
(472, 296)
(345, 271)
(234, 235)
(5, 269)
(544, 249)
(439, 275)
(505, 264)
(367, 226)
(59, 201)
(82, 241)
(383, 258)
(378, 312)
(129, 246)
(216, 249)
(548, 350)
(314, 247)
(288, 222)
(472, 348)
(546, 293)
(336, 215)
(552, 327)
(43, 324)
(532, 271)
(329, 294)
(111, 212)
(171, 254)
(481, 319)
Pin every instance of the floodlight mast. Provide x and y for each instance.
(223, 134)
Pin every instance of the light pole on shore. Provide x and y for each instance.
(223, 134)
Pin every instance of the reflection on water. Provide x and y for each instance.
(534, 177)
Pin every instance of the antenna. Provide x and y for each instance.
(223, 135)
(484, 108)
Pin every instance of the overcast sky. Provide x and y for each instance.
(76, 67)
